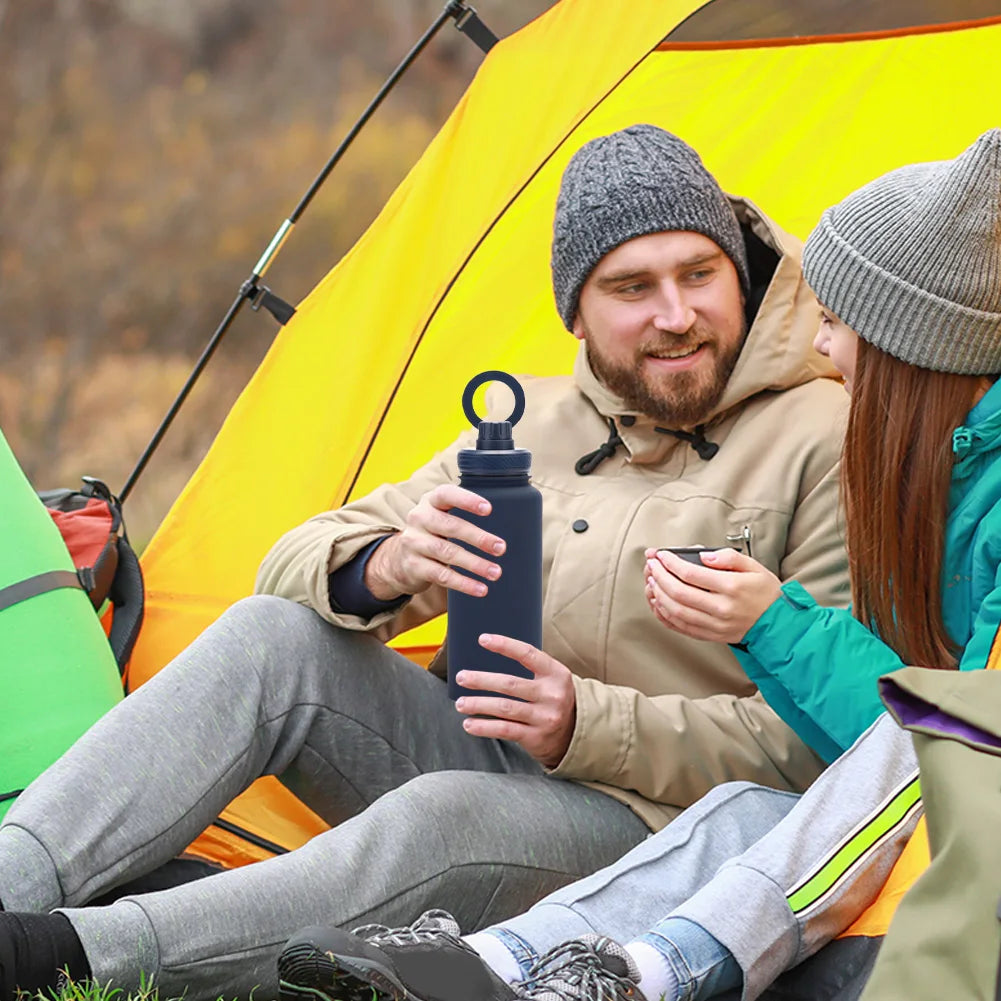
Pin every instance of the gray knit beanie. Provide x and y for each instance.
(634, 182)
(912, 261)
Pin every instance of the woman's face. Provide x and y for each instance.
(838, 342)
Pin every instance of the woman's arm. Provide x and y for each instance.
(816, 667)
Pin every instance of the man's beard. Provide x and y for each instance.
(677, 399)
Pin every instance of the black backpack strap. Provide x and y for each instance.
(41, 583)
(127, 595)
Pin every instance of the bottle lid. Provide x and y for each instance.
(495, 453)
(494, 436)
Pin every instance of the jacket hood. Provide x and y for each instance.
(778, 353)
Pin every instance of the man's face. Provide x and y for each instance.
(663, 320)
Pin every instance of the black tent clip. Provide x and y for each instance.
(470, 24)
(261, 295)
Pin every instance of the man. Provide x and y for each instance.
(697, 382)
(693, 911)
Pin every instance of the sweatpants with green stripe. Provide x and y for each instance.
(820, 860)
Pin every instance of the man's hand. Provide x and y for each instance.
(421, 555)
(718, 604)
(543, 722)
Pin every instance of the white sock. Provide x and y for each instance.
(496, 955)
(657, 979)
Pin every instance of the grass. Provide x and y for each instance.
(89, 990)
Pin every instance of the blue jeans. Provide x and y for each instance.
(702, 967)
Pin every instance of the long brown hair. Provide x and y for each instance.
(896, 473)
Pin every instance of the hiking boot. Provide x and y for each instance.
(425, 961)
(589, 968)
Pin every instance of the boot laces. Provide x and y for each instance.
(431, 926)
(591, 968)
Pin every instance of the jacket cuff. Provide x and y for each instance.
(343, 548)
(761, 933)
(349, 595)
(604, 720)
(768, 639)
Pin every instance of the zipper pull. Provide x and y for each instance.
(962, 441)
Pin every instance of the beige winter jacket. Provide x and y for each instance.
(661, 719)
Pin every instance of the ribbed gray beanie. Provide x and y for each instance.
(912, 261)
(637, 181)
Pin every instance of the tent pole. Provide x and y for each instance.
(466, 21)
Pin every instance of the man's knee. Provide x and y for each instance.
(267, 614)
(276, 638)
(269, 621)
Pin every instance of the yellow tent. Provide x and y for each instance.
(452, 278)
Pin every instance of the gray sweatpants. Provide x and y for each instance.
(423, 814)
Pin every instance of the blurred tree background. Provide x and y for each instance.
(148, 151)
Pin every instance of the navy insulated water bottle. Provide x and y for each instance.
(512, 606)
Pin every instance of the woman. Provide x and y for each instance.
(923, 560)
(908, 271)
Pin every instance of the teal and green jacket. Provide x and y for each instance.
(818, 667)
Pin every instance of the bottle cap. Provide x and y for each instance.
(494, 436)
(495, 453)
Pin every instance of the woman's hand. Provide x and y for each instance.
(718, 601)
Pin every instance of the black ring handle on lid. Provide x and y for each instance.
(493, 376)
